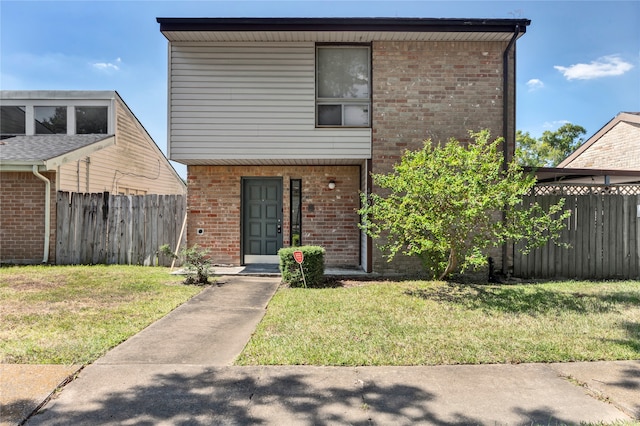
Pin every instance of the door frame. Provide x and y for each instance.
(246, 259)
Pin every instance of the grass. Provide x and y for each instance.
(74, 314)
(430, 323)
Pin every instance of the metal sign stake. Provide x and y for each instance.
(299, 257)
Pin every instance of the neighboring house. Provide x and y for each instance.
(280, 121)
(615, 146)
(610, 156)
(75, 141)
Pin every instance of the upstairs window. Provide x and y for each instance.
(91, 120)
(343, 93)
(12, 120)
(50, 120)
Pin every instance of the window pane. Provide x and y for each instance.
(50, 120)
(91, 120)
(343, 72)
(356, 115)
(330, 115)
(296, 212)
(12, 120)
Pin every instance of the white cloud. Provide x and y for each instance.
(602, 67)
(108, 66)
(555, 124)
(535, 84)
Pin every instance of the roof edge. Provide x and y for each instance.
(556, 175)
(58, 94)
(78, 153)
(343, 24)
(581, 171)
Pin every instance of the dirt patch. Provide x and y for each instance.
(22, 282)
(335, 282)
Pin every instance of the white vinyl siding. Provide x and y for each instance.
(234, 102)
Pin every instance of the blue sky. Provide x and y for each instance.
(579, 61)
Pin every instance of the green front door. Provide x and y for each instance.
(261, 219)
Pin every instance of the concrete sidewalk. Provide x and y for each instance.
(178, 371)
(204, 395)
(210, 329)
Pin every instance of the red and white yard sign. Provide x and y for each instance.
(299, 257)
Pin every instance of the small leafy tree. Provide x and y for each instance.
(441, 204)
(551, 148)
(195, 260)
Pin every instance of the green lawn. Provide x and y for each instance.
(428, 323)
(74, 314)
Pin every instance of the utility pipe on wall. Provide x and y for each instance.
(47, 212)
(505, 95)
(505, 119)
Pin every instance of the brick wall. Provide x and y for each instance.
(329, 217)
(435, 90)
(22, 218)
(616, 149)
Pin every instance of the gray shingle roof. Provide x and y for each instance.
(43, 147)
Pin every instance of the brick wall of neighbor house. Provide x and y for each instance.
(329, 217)
(431, 90)
(22, 218)
(616, 149)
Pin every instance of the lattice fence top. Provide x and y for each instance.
(585, 189)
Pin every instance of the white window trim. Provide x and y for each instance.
(343, 101)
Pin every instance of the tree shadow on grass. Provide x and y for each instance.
(632, 341)
(255, 396)
(524, 300)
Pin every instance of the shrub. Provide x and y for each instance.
(313, 266)
(442, 201)
(194, 259)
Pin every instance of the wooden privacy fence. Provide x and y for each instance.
(103, 228)
(603, 233)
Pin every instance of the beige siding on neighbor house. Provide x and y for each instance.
(619, 148)
(248, 101)
(134, 165)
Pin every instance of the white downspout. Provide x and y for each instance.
(47, 212)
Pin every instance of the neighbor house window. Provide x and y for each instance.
(343, 93)
(50, 119)
(12, 120)
(296, 212)
(91, 119)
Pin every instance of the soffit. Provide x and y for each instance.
(330, 37)
(271, 162)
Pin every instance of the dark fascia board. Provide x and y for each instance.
(343, 24)
(552, 174)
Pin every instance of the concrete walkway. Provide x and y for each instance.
(178, 371)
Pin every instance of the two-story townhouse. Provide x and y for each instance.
(72, 141)
(280, 121)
